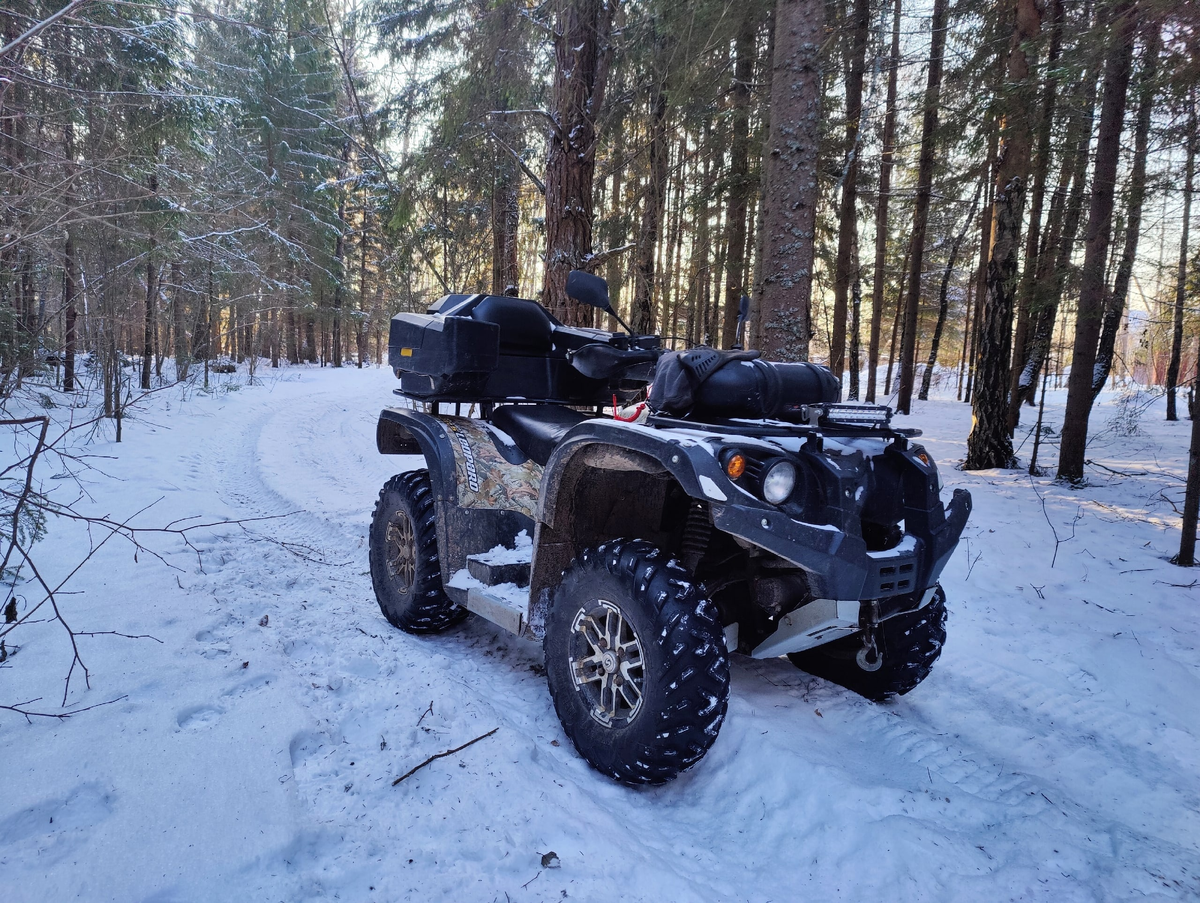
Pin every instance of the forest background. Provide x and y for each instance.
(996, 195)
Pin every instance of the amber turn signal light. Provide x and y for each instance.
(735, 465)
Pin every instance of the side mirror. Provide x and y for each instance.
(588, 288)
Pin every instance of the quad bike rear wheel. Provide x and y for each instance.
(908, 645)
(405, 570)
(636, 662)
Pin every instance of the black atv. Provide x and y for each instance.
(743, 509)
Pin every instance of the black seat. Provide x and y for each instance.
(525, 327)
(536, 428)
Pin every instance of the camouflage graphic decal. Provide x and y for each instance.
(484, 478)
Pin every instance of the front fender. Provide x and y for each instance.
(632, 447)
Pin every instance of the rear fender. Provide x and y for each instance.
(484, 495)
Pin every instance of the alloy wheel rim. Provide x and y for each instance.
(402, 558)
(606, 663)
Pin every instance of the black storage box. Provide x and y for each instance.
(435, 355)
(470, 348)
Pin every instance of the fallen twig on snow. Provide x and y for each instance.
(1045, 513)
(1191, 585)
(20, 709)
(442, 755)
(428, 711)
(1119, 473)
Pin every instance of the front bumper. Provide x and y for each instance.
(839, 565)
(843, 574)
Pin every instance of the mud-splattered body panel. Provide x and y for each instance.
(485, 479)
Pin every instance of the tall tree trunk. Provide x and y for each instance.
(756, 239)
(1041, 168)
(582, 53)
(897, 322)
(291, 324)
(506, 214)
(745, 48)
(70, 281)
(1066, 211)
(881, 206)
(855, 324)
(310, 339)
(151, 315)
(990, 443)
(70, 260)
(1096, 241)
(790, 188)
(974, 350)
(360, 323)
(652, 214)
(673, 249)
(985, 246)
(700, 267)
(151, 295)
(848, 211)
(1191, 499)
(182, 346)
(916, 261)
(943, 295)
(1189, 182)
(616, 221)
(1115, 308)
(968, 334)
(339, 255)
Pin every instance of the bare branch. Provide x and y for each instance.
(37, 28)
(541, 186)
(20, 709)
(28, 488)
(442, 755)
(541, 114)
(597, 260)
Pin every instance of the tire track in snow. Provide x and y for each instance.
(1071, 726)
(367, 684)
(903, 731)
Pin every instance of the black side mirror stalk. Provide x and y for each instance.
(743, 313)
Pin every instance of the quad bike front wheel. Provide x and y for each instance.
(908, 645)
(404, 557)
(636, 662)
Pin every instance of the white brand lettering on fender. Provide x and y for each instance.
(468, 459)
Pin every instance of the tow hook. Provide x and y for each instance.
(869, 657)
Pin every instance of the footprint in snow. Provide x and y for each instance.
(198, 717)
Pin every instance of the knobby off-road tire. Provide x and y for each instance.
(405, 570)
(636, 662)
(909, 643)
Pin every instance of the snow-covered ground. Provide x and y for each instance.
(1053, 753)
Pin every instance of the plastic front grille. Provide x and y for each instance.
(891, 578)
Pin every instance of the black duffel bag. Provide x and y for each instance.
(705, 382)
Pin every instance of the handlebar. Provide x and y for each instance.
(601, 361)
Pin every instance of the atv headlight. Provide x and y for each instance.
(778, 482)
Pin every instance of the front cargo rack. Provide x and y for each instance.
(830, 418)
